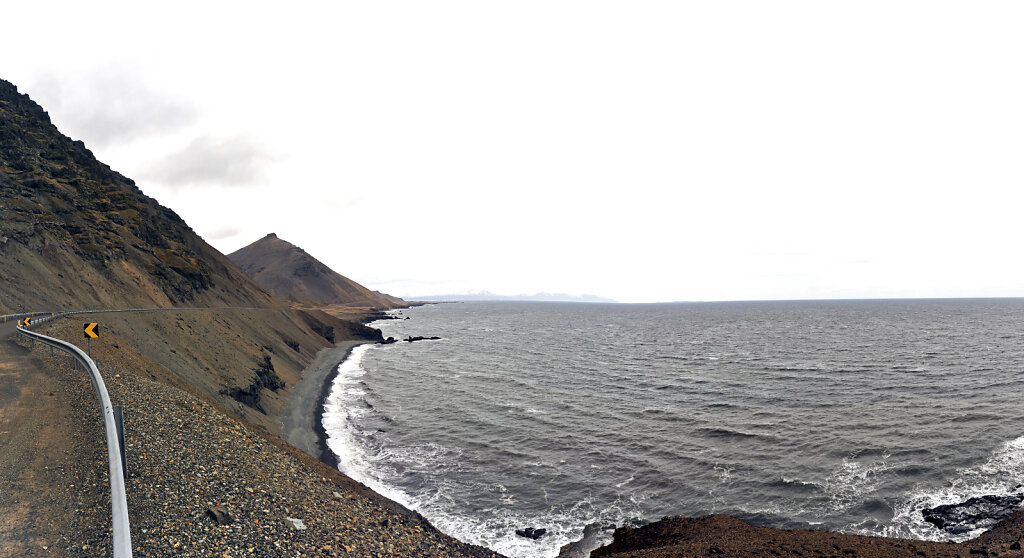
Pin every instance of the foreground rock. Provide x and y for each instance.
(583, 547)
(719, 535)
(976, 513)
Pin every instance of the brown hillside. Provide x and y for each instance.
(74, 235)
(85, 236)
(289, 273)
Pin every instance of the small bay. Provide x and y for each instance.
(849, 416)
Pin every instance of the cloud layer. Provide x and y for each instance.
(112, 106)
(236, 161)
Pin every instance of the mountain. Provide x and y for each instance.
(291, 274)
(76, 235)
(489, 296)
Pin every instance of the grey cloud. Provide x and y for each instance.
(222, 233)
(110, 106)
(235, 161)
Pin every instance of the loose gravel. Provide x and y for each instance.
(187, 459)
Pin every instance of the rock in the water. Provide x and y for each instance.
(531, 533)
(296, 524)
(220, 515)
(976, 513)
(583, 547)
(410, 339)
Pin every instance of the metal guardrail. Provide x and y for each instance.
(118, 504)
(11, 317)
(122, 537)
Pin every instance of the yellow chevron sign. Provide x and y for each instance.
(91, 330)
(20, 323)
(28, 321)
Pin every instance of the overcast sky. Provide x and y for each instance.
(642, 151)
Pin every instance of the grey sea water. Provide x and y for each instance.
(841, 415)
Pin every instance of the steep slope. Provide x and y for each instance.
(76, 235)
(289, 273)
(86, 236)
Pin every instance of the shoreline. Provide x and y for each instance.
(670, 536)
(326, 455)
(302, 428)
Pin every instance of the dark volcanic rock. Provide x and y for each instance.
(976, 513)
(327, 332)
(266, 377)
(583, 547)
(220, 515)
(531, 533)
(410, 339)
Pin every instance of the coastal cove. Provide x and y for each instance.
(494, 454)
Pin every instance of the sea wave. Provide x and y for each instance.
(1000, 474)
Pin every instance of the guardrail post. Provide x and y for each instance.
(119, 423)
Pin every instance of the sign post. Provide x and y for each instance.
(91, 331)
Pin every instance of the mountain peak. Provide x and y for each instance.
(290, 273)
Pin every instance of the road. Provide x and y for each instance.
(46, 449)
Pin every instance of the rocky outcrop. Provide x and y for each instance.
(583, 547)
(266, 378)
(719, 535)
(981, 512)
(531, 532)
(410, 339)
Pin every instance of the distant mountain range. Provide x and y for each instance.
(489, 296)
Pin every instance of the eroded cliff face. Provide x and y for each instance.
(76, 235)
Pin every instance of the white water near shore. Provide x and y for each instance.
(846, 416)
(342, 411)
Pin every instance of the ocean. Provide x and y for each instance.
(849, 416)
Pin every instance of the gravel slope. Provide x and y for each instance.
(185, 456)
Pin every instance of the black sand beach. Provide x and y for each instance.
(302, 422)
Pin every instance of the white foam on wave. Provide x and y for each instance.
(381, 469)
(851, 481)
(1000, 474)
(340, 410)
